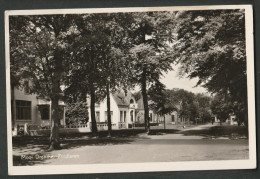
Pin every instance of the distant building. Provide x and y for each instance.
(154, 118)
(232, 119)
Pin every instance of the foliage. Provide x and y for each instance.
(76, 113)
(150, 54)
(190, 106)
(160, 103)
(40, 53)
(221, 106)
(204, 112)
(211, 46)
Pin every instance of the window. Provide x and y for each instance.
(23, 110)
(151, 117)
(45, 112)
(111, 114)
(121, 116)
(97, 116)
(132, 115)
(124, 116)
(173, 118)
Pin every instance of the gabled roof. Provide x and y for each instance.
(122, 98)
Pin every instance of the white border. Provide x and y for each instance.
(140, 167)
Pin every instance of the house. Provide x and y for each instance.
(232, 119)
(154, 118)
(126, 111)
(123, 110)
(32, 110)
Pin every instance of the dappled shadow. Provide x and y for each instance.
(72, 144)
(163, 131)
(33, 150)
(231, 132)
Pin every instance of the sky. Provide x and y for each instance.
(172, 80)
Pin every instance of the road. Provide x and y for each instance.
(148, 148)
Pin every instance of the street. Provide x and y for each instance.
(184, 145)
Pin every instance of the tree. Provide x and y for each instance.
(161, 105)
(204, 112)
(114, 66)
(221, 106)
(150, 54)
(100, 64)
(76, 113)
(41, 55)
(185, 101)
(211, 46)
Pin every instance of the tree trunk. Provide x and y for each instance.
(108, 111)
(145, 101)
(92, 109)
(54, 137)
(164, 122)
(55, 120)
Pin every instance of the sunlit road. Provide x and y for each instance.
(155, 148)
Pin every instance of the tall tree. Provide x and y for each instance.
(211, 46)
(88, 44)
(100, 63)
(114, 26)
(150, 53)
(42, 54)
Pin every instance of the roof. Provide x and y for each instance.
(140, 103)
(123, 98)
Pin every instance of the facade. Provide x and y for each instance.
(123, 109)
(155, 118)
(30, 109)
(126, 111)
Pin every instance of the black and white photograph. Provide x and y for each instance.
(111, 90)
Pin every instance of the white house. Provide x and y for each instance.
(30, 109)
(123, 109)
(126, 111)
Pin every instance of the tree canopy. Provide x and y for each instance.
(210, 46)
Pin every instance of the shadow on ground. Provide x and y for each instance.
(31, 150)
(231, 132)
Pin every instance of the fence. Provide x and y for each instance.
(34, 130)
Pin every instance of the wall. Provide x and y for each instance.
(103, 107)
(157, 118)
(20, 95)
(35, 113)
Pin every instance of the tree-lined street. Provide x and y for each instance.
(94, 72)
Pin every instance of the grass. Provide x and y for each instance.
(231, 132)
